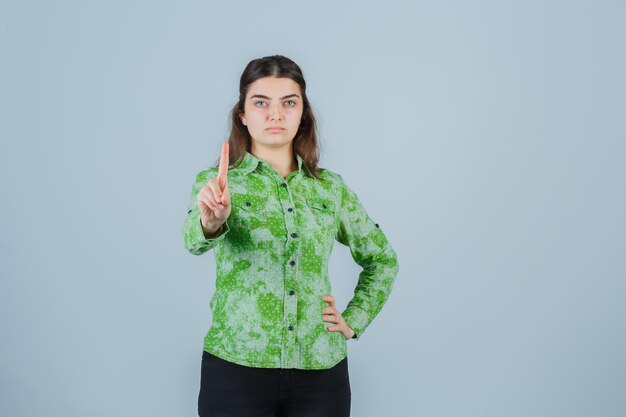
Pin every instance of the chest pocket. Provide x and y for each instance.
(249, 210)
(323, 210)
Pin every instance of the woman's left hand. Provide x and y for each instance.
(332, 315)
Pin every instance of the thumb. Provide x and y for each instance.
(222, 181)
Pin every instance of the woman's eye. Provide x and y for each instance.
(292, 103)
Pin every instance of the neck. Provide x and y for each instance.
(281, 159)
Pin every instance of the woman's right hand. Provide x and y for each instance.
(214, 198)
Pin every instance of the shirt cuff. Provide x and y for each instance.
(357, 319)
(196, 239)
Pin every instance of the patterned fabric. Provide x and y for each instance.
(272, 265)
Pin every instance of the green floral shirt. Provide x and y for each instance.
(272, 266)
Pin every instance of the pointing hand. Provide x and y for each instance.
(214, 198)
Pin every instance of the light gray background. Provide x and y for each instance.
(486, 138)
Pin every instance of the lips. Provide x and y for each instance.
(275, 129)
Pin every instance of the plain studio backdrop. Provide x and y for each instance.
(486, 138)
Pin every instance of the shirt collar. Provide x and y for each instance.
(250, 163)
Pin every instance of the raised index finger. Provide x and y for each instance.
(223, 169)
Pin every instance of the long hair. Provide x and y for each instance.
(305, 141)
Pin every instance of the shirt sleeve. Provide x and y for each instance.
(193, 235)
(371, 250)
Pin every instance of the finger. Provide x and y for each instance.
(225, 189)
(330, 318)
(217, 193)
(221, 175)
(215, 208)
(330, 299)
(214, 199)
(204, 200)
(203, 196)
(209, 196)
(337, 328)
(225, 195)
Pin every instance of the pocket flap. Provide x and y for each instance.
(248, 202)
(320, 203)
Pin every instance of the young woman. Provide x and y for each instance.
(277, 343)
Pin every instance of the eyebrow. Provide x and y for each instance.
(266, 97)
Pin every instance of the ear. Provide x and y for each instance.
(242, 117)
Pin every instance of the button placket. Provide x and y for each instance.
(290, 351)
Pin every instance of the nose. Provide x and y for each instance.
(275, 112)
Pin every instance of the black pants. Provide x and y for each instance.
(231, 390)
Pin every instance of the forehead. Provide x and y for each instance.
(274, 87)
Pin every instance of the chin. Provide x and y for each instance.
(277, 139)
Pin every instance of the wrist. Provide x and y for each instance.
(212, 230)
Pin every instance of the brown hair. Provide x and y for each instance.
(305, 142)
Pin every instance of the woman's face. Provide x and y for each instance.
(272, 102)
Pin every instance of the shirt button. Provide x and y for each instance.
(292, 262)
(283, 184)
(377, 225)
(292, 292)
(290, 327)
(289, 209)
(294, 235)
